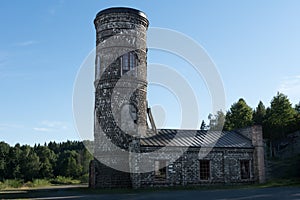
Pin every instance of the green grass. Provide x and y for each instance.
(61, 180)
(280, 183)
(36, 183)
(15, 183)
(286, 169)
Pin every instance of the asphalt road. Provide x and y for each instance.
(241, 194)
(291, 193)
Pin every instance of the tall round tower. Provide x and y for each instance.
(121, 88)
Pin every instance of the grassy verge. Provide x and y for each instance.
(61, 180)
(11, 184)
(15, 183)
(280, 183)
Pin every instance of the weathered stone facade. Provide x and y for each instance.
(226, 159)
(121, 41)
(224, 168)
(255, 134)
(121, 122)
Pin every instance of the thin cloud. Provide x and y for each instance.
(51, 126)
(51, 123)
(41, 129)
(26, 43)
(6, 126)
(6, 74)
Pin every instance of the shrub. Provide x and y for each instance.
(64, 180)
(12, 183)
(84, 178)
(40, 182)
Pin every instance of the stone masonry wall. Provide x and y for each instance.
(255, 134)
(224, 168)
(118, 32)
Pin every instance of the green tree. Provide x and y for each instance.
(203, 126)
(54, 147)
(227, 124)
(4, 156)
(47, 161)
(85, 159)
(29, 163)
(280, 117)
(297, 108)
(13, 164)
(259, 114)
(297, 117)
(24, 162)
(216, 122)
(69, 164)
(239, 116)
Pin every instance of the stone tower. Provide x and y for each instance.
(120, 93)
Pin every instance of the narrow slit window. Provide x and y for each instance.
(245, 169)
(129, 62)
(204, 169)
(160, 170)
(125, 63)
(132, 61)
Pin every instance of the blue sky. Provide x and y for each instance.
(254, 44)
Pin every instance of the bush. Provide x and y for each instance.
(2, 186)
(11, 183)
(28, 184)
(40, 182)
(64, 180)
(84, 178)
(61, 180)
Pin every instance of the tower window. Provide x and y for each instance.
(204, 169)
(245, 169)
(128, 62)
(128, 118)
(133, 113)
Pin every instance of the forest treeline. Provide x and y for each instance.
(67, 159)
(278, 120)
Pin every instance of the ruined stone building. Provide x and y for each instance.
(129, 150)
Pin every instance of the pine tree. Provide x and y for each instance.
(203, 126)
(280, 116)
(259, 114)
(29, 163)
(4, 156)
(13, 164)
(239, 116)
(216, 122)
(297, 108)
(297, 117)
(47, 160)
(69, 164)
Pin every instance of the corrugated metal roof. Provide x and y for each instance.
(196, 138)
